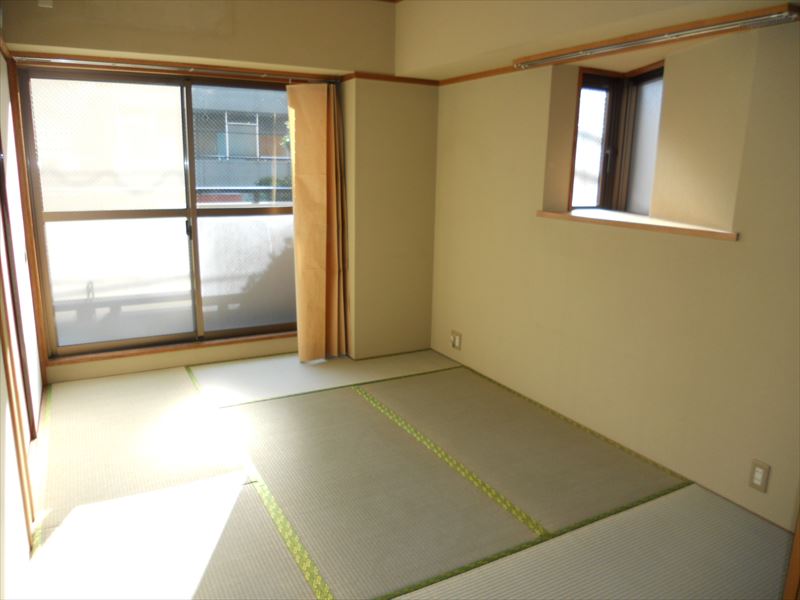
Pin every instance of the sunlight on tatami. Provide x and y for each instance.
(139, 473)
(151, 545)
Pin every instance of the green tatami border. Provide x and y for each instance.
(292, 541)
(309, 568)
(193, 377)
(524, 546)
(459, 467)
(545, 535)
(286, 531)
(458, 365)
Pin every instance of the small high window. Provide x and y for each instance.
(615, 140)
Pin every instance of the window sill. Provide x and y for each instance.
(147, 350)
(633, 221)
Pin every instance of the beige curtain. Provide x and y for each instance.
(315, 125)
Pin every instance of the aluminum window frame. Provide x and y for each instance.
(618, 133)
(191, 211)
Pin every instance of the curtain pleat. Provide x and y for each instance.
(316, 131)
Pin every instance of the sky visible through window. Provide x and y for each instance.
(589, 147)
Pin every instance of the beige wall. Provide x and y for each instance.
(332, 34)
(560, 137)
(683, 349)
(446, 38)
(693, 182)
(391, 151)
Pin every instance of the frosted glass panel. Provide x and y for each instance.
(645, 141)
(108, 146)
(589, 147)
(247, 271)
(241, 146)
(119, 279)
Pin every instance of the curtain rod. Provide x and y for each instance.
(786, 16)
(55, 61)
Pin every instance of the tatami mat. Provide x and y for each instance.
(375, 488)
(375, 509)
(276, 376)
(552, 469)
(690, 544)
(115, 436)
(156, 544)
(251, 560)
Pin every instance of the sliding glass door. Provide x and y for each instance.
(164, 210)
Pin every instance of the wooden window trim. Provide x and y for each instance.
(625, 220)
(149, 66)
(27, 209)
(105, 65)
(17, 310)
(16, 397)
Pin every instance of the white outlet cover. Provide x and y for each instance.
(455, 340)
(759, 475)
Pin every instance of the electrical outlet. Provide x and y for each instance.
(759, 475)
(455, 340)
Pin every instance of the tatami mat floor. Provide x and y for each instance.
(254, 379)
(363, 479)
(688, 544)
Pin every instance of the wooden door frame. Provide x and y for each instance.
(791, 589)
(6, 350)
(15, 399)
